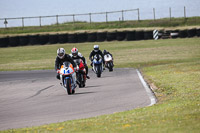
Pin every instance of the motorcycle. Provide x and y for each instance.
(97, 65)
(108, 62)
(67, 76)
(81, 73)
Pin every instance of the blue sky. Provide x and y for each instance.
(19, 8)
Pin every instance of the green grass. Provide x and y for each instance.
(171, 66)
(69, 27)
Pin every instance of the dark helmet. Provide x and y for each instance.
(104, 51)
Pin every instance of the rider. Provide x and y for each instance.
(94, 52)
(77, 55)
(62, 57)
(105, 52)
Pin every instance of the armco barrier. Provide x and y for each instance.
(92, 37)
(63, 38)
(4, 41)
(101, 36)
(13, 41)
(23, 40)
(42, 39)
(120, 36)
(53, 38)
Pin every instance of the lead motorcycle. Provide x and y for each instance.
(97, 65)
(81, 73)
(108, 62)
(67, 76)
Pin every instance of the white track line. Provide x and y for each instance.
(148, 90)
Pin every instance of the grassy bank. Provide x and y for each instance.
(84, 26)
(172, 65)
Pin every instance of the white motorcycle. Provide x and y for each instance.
(108, 62)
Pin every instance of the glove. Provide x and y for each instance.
(76, 68)
(58, 71)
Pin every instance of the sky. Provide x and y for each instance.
(19, 8)
(34, 8)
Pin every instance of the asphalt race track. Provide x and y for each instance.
(32, 98)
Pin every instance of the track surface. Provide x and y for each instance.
(32, 98)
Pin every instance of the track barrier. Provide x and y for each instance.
(23, 40)
(14, 41)
(34, 39)
(101, 36)
(92, 37)
(120, 36)
(44, 39)
(72, 38)
(131, 35)
(82, 37)
(111, 36)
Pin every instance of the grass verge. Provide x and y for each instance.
(173, 66)
(70, 27)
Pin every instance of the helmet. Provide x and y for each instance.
(96, 48)
(61, 53)
(104, 51)
(74, 52)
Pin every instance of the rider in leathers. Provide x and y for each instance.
(96, 51)
(62, 57)
(77, 55)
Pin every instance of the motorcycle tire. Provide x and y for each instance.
(98, 71)
(69, 87)
(110, 67)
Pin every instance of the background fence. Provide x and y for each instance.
(123, 15)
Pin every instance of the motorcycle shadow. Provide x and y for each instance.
(82, 93)
(91, 86)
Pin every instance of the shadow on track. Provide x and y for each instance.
(83, 93)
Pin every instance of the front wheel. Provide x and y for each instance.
(69, 86)
(110, 66)
(98, 71)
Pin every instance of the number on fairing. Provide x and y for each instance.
(68, 71)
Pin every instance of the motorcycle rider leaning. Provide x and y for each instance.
(77, 55)
(94, 52)
(105, 52)
(62, 57)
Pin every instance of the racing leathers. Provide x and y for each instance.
(80, 56)
(93, 53)
(59, 63)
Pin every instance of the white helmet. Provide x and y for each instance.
(61, 53)
(74, 52)
(96, 48)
